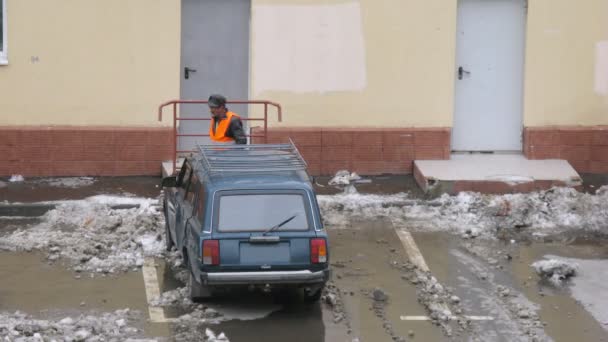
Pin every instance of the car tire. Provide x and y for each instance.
(169, 244)
(197, 291)
(313, 297)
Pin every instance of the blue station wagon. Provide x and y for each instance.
(247, 215)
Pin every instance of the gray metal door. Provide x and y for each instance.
(214, 60)
(489, 75)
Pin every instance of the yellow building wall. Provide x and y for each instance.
(566, 73)
(367, 63)
(75, 62)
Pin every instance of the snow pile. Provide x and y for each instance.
(343, 180)
(343, 177)
(16, 178)
(212, 337)
(104, 327)
(177, 297)
(555, 270)
(92, 236)
(551, 211)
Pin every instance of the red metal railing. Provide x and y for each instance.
(177, 135)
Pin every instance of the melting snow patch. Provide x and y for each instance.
(343, 177)
(92, 236)
(16, 178)
(212, 337)
(92, 327)
(555, 270)
(68, 182)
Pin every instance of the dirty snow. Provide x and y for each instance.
(343, 177)
(92, 237)
(555, 270)
(67, 182)
(90, 327)
(546, 212)
(16, 178)
(96, 327)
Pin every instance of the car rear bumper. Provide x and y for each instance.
(269, 277)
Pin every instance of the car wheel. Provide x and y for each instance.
(197, 290)
(169, 244)
(313, 296)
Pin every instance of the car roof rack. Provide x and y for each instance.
(251, 158)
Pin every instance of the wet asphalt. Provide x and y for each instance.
(362, 259)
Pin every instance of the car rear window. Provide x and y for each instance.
(257, 212)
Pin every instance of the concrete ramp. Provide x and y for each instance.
(493, 173)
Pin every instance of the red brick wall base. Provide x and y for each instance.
(585, 148)
(367, 151)
(83, 151)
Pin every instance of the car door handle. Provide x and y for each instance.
(187, 72)
(462, 72)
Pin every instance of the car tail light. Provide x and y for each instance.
(211, 252)
(318, 251)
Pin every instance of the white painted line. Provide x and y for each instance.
(427, 318)
(416, 258)
(412, 250)
(157, 315)
(415, 318)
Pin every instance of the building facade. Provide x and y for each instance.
(364, 85)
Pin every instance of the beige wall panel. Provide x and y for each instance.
(75, 62)
(400, 56)
(564, 76)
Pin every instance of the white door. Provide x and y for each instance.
(214, 60)
(489, 75)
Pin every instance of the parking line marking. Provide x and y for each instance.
(412, 250)
(427, 318)
(416, 258)
(157, 315)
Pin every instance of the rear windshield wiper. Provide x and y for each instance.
(273, 228)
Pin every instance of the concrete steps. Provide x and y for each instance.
(493, 173)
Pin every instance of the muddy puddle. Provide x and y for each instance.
(579, 309)
(49, 291)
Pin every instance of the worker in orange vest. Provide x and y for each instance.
(225, 126)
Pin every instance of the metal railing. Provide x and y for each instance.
(177, 135)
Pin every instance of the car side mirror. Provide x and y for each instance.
(169, 182)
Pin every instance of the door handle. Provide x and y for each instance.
(462, 72)
(187, 72)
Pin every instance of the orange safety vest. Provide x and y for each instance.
(219, 133)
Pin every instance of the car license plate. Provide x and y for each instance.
(259, 254)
